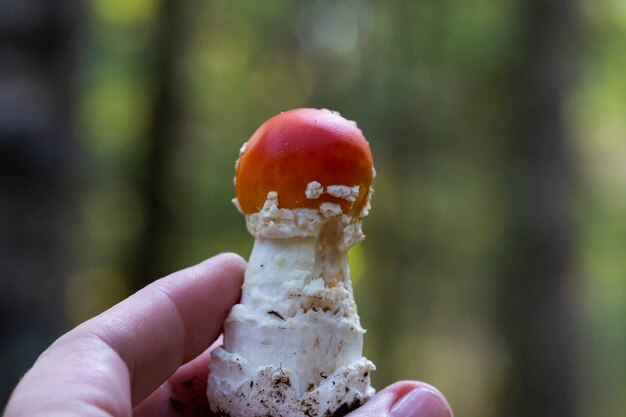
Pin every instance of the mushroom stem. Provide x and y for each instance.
(296, 332)
(301, 285)
(298, 260)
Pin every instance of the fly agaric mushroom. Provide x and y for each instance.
(293, 346)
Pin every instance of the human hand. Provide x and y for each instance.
(149, 356)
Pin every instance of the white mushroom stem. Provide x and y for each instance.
(294, 344)
(303, 295)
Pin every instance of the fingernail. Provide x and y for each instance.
(421, 402)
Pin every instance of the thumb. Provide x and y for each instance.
(405, 399)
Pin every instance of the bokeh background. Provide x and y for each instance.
(495, 262)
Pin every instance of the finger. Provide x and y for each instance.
(134, 346)
(184, 394)
(171, 321)
(406, 399)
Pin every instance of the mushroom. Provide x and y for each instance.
(293, 346)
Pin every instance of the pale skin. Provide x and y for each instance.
(150, 356)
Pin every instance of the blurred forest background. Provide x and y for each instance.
(495, 263)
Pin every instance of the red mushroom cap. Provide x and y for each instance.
(300, 146)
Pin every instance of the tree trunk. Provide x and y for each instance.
(161, 136)
(536, 309)
(37, 51)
